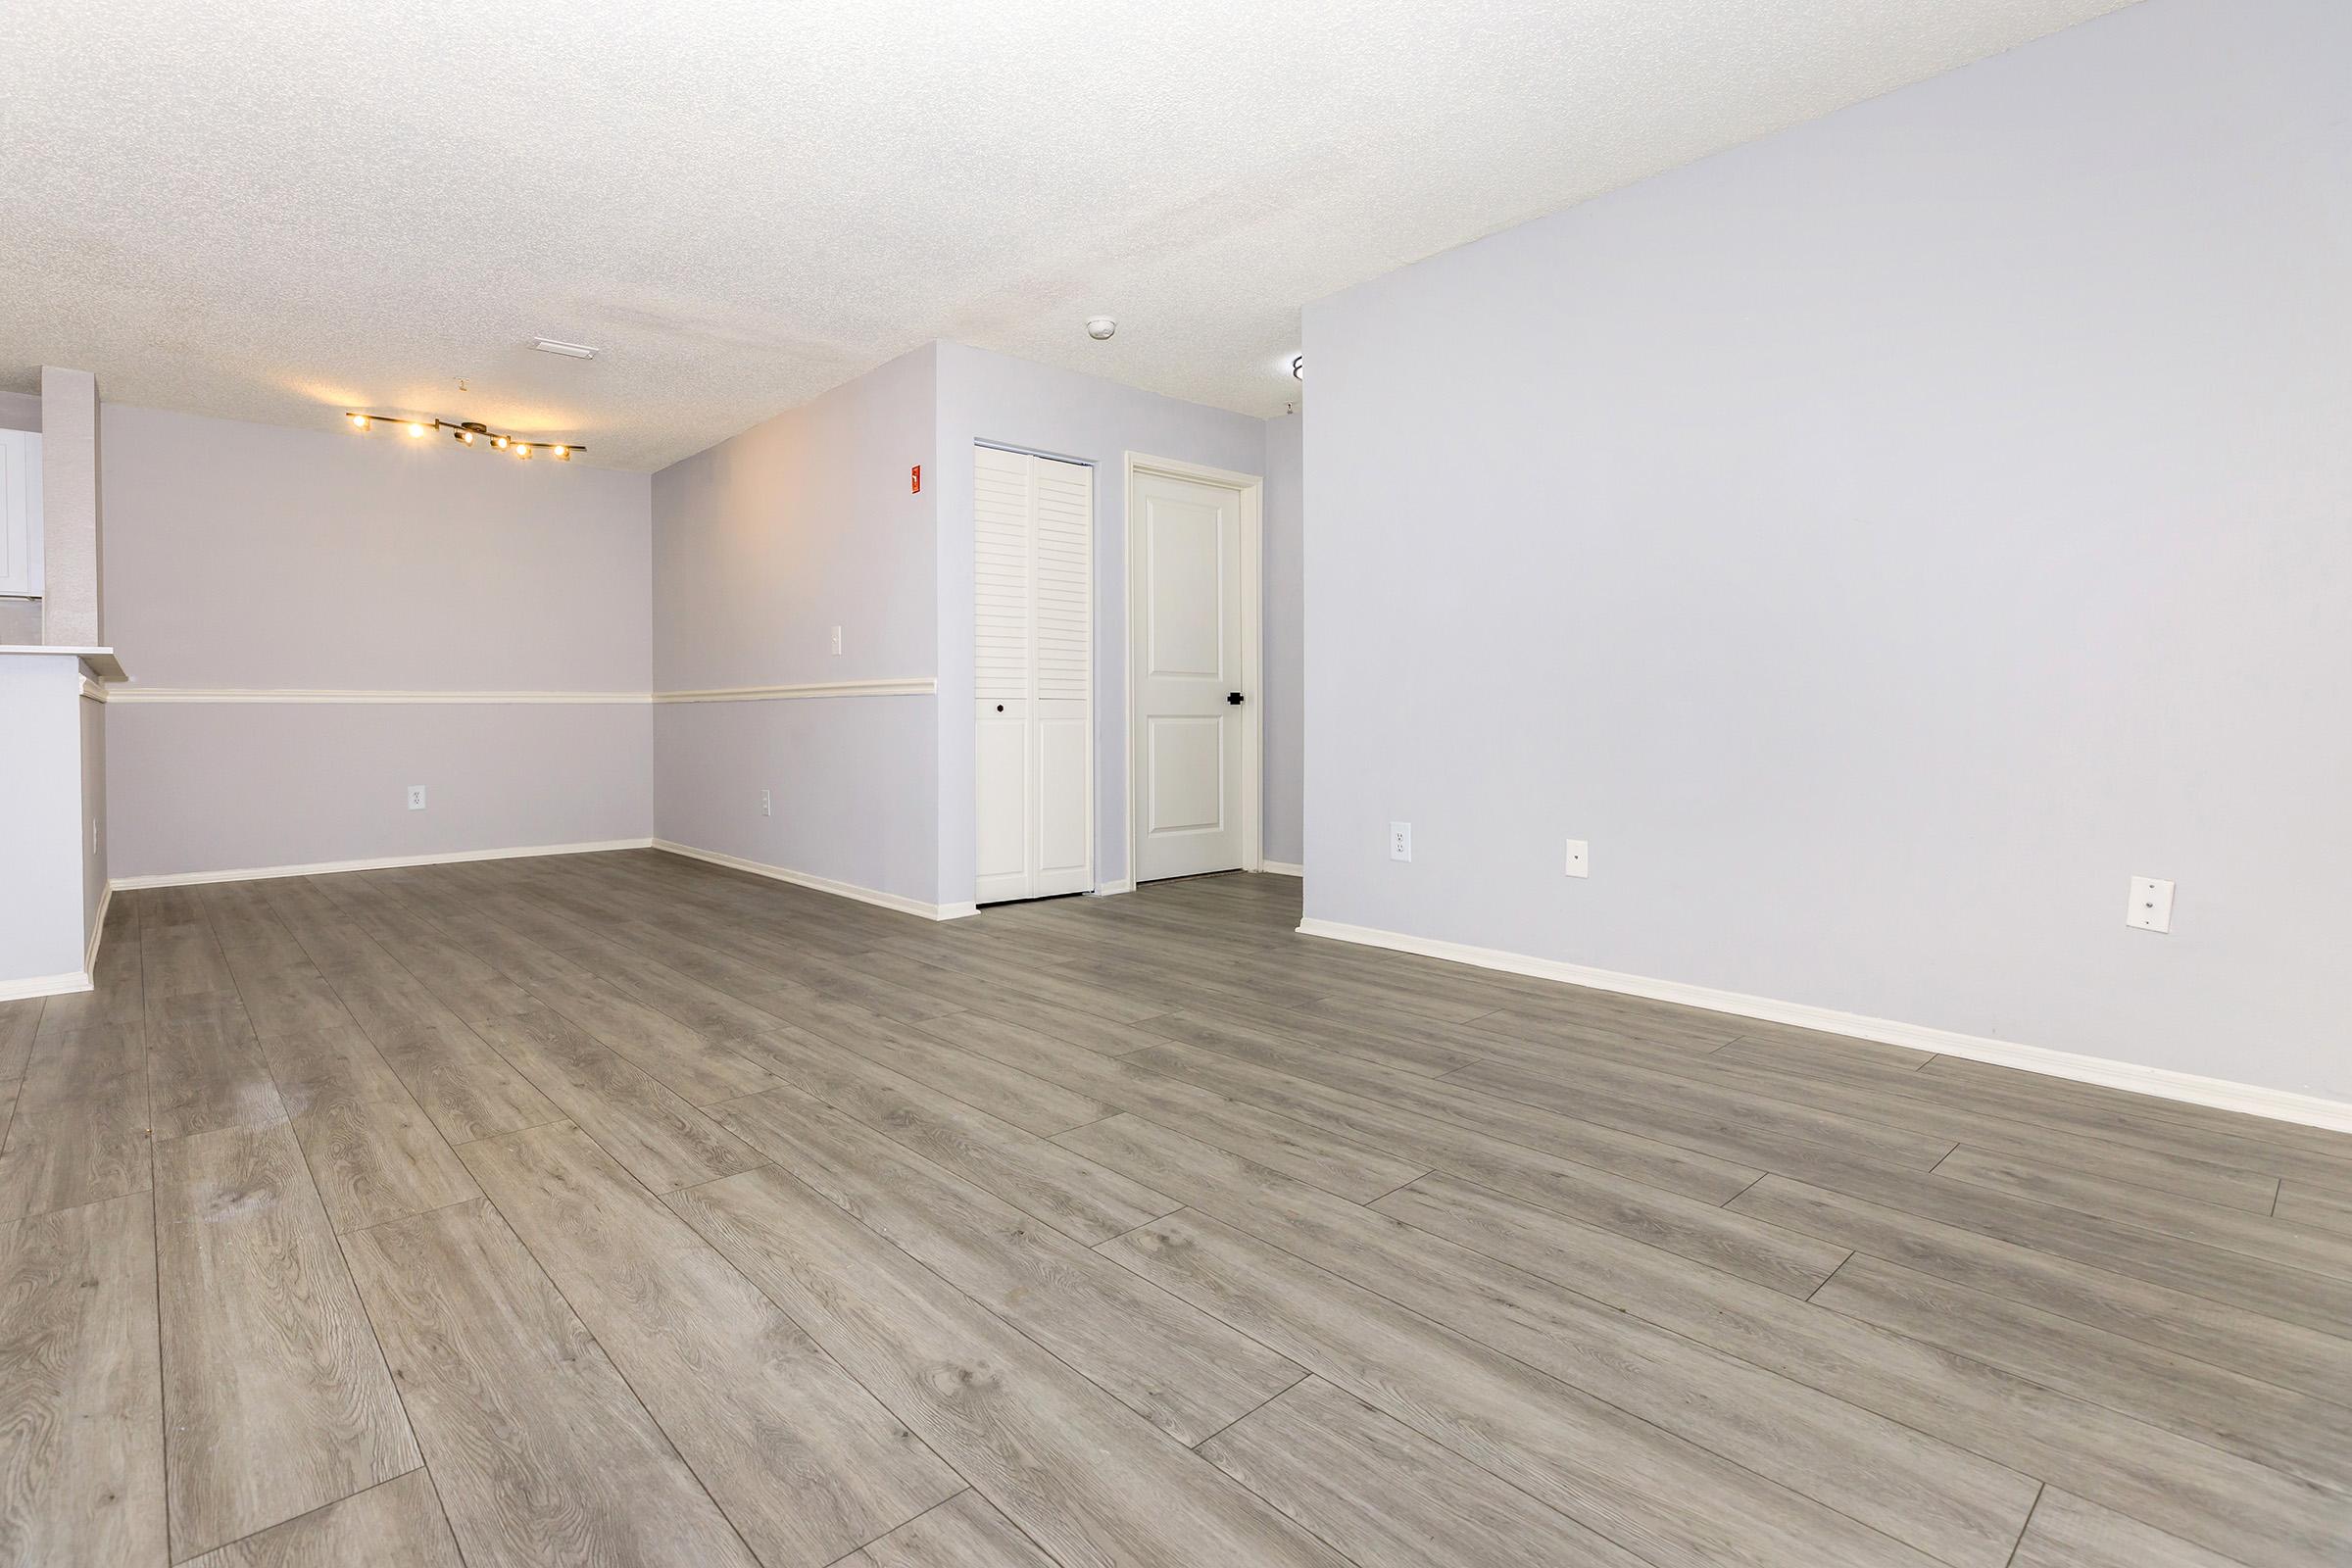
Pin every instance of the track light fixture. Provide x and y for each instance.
(470, 431)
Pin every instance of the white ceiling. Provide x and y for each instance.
(276, 208)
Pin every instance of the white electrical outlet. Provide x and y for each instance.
(416, 797)
(837, 639)
(766, 807)
(2151, 906)
(1400, 841)
(1580, 858)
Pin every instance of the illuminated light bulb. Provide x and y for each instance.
(524, 450)
(465, 436)
(416, 429)
(498, 443)
(359, 421)
(564, 454)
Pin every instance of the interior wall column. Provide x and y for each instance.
(70, 615)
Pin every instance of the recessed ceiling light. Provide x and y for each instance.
(570, 351)
(1101, 327)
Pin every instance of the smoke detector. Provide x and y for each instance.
(1100, 327)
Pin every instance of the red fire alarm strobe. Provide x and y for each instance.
(915, 478)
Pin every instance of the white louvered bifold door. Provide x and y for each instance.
(1033, 523)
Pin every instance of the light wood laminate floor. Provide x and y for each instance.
(615, 1208)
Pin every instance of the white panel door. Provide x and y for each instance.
(1062, 747)
(1033, 675)
(1001, 672)
(1186, 649)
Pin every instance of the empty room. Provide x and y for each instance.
(1533, 784)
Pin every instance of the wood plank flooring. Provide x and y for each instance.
(617, 1209)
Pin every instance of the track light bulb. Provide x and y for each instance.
(415, 428)
(524, 450)
(359, 421)
(564, 454)
(498, 443)
(465, 436)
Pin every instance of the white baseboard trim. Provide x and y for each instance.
(67, 984)
(822, 884)
(1281, 869)
(177, 879)
(90, 956)
(2219, 1093)
(45, 985)
(1125, 883)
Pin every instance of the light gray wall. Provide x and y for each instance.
(250, 555)
(40, 771)
(985, 396)
(247, 556)
(203, 787)
(850, 777)
(20, 411)
(1284, 643)
(1881, 541)
(762, 545)
(92, 840)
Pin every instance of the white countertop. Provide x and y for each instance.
(102, 660)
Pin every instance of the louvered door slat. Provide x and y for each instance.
(1033, 673)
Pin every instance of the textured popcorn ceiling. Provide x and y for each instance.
(274, 210)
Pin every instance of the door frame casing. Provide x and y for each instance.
(1250, 489)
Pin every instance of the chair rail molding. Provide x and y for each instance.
(907, 686)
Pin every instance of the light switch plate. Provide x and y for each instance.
(1580, 858)
(2151, 906)
(768, 806)
(416, 797)
(1400, 841)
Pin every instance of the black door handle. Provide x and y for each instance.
(1233, 698)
